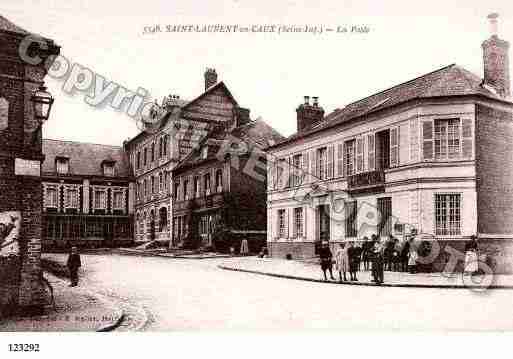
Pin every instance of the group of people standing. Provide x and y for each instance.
(374, 254)
(378, 256)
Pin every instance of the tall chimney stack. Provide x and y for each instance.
(308, 114)
(496, 59)
(210, 78)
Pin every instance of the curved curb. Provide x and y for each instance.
(112, 326)
(363, 284)
(161, 255)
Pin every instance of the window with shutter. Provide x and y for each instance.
(322, 162)
(280, 173)
(394, 147)
(297, 165)
(467, 142)
(371, 148)
(349, 157)
(331, 162)
(274, 180)
(313, 167)
(359, 155)
(306, 164)
(427, 140)
(340, 160)
(289, 172)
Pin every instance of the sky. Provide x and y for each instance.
(266, 72)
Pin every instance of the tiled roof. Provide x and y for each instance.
(451, 80)
(255, 134)
(85, 159)
(184, 104)
(6, 25)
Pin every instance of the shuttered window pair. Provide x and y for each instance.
(444, 139)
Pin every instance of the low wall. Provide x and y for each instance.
(10, 268)
(298, 250)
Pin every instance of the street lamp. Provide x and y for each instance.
(42, 101)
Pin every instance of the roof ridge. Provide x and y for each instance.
(81, 142)
(400, 84)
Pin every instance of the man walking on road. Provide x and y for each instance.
(73, 264)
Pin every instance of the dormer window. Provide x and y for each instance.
(204, 152)
(62, 165)
(108, 168)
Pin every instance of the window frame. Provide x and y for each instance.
(282, 223)
(438, 230)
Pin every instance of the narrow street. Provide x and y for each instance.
(188, 294)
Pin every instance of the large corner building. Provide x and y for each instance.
(430, 156)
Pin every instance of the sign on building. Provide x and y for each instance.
(9, 231)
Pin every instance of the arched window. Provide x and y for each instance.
(219, 180)
(161, 182)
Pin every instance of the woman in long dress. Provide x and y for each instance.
(342, 261)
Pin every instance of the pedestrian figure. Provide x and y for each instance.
(412, 258)
(244, 247)
(73, 264)
(342, 261)
(353, 254)
(358, 256)
(405, 253)
(471, 264)
(326, 259)
(377, 263)
(366, 253)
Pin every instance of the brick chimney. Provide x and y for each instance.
(308, 114)
(496, 60)
(210, 78)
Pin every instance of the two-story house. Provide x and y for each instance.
(430, 156)
(87, 195)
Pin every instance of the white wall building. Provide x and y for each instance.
(419, 156)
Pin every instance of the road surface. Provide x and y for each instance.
(192, 294)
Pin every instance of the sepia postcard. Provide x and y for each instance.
(255, 166)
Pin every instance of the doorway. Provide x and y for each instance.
(323, 227)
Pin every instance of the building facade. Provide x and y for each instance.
(177, 129)
(431, 157)
(88, 195)
(219, 189)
